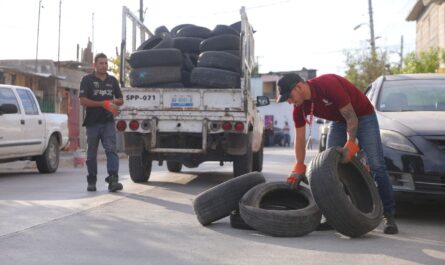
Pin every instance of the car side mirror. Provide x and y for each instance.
(262, 101)
(320, 121)
(8, 109)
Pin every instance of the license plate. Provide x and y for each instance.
(181, 101)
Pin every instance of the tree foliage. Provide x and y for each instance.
(424, 62)
(116, 64)
(363, 67)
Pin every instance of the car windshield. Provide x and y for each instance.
(412, 95)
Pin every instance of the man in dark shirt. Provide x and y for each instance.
(334, 98)
(101, 95)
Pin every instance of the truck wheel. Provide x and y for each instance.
(243, 164)
(257, 163)
(174, 166)
(140, 168)
(48, 162)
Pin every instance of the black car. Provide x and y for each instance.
(411, 113)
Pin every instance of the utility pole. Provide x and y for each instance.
(371, 26)
(141, 10)
(58, 44)
(38, 30)
(401, 52)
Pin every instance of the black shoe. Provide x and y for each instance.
(390, 226)
(113, 184)
(91, 183)
(324, 227)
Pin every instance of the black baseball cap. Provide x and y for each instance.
(286, 84)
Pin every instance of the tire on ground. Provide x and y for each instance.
(220, 43)
(48, 162)
(215, 78)
(237, 222)
(257, 160)
(346, 193)
(276, 209)
(155, 57)
(217, 202)
(174, 166)
(140, 77)
(220, 60)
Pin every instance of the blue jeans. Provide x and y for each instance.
(106, 133)
(368, 135)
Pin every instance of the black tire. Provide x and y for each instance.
(187, 44)
(220, 60)
(237, 222)
(166, 85)
(234, 52)
(257, 162)
(224, 29)
(48, 162)
(346, 193)
(143, 77)
(175, 29)
(220, 43)
(174, 166)
(156, 57)
(161, 30)
(187, 62)
(140, 168)
(217, 202)
(242, 164)
(157, 42)
(276, 209)
(194, 31)
(214, 78)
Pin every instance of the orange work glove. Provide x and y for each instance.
(111, 107)
(349, 150)
(297, 175)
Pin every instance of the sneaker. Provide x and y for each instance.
(390, 226)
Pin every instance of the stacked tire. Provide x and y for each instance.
(188, 56)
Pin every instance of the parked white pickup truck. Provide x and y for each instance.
(28, 134)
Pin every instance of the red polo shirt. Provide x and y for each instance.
(330, 93)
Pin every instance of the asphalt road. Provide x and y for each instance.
(51, 219)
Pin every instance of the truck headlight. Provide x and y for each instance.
(397, 141)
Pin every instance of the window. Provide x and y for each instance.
(29, 104)
(8, 97)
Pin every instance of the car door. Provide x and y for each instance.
(32, 122)
(11, 131)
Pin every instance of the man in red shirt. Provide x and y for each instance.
(334, 98)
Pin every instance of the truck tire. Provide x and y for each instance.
(140, 168)
(156, 57)
(277, 209)
(242, 164)
(257, 163)
(217, 202)
(157, 42)
(48, 162)
(175, 29)
(194, 31)
(214, 78)
(142, 77)
(237, 222)
(161, 30)
(346, 193)
(220, 43)
(174, 166)
(220, 60)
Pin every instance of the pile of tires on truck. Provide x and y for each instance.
(345, 194)
(188, 56)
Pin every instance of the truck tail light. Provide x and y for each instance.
(239, 126)
(227, 126)
(121, 126)
(134, 125)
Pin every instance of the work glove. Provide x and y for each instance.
(297, 175)
(348, 151)
(111, 107)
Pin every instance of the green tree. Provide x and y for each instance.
(363, 67)
(424, 62)
(116, 64)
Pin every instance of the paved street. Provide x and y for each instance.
(51, 219)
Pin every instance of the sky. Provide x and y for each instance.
(290, 34)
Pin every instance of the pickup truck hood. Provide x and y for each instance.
(414, 122)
